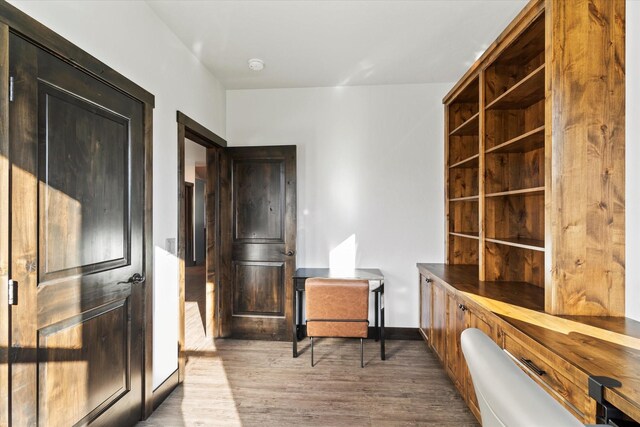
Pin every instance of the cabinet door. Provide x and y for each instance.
(438, 319)
(476, 320)
(425, 307)
(456, 323)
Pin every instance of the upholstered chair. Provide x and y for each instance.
(506, 395)
(337, 308)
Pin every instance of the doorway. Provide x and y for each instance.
(197, 297)
(250, 235)
(198, 236)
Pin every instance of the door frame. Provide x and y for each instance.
(13, 20)
(189, 128)
(188, 221)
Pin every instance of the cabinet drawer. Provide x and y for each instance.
(548, 374)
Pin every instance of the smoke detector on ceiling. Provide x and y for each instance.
(256, 64)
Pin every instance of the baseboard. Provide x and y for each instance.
(407, 334)
(165, 389)
(390, 333)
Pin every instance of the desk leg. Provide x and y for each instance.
(300, 321)
(382, 355)
(294, 320)
(376, 297)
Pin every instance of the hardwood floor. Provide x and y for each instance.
(251, 383)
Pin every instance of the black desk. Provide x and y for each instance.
(371, 274)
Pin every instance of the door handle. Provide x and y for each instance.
(288, 253)
(529, 364)
(135, 279)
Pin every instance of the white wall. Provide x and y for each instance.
(370, 163)
(194, 155)
(131, 39)
(633, 160)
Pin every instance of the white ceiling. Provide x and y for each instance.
(335, 43)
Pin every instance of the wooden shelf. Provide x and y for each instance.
(465, 199)
(528, 141)
(467, 234)
(468, 163)
(469, 127)
(527, 91)
(524, 191)
(519, 242)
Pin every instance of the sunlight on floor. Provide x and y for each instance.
(205, 373)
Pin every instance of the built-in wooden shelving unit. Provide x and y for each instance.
(535, 208)
(500, 189)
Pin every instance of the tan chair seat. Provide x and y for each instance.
(337, 308)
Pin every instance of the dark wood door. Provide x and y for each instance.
(261, 240)
(77, 176)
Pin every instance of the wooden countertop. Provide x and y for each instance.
(607, 346)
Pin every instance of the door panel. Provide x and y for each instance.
(258, 288)
(63, 368)
(89, 217)
(261, 206)
(259, 193)
(77, 217)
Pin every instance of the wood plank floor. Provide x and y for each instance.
(258, 383)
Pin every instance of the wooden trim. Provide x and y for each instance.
(517, 25)
(181, 252)
(225, 302)
(198, 133)
(212, 258)
(481, 177)
(549, 291)
(447, 238)
(26, 26)
(4, 224)
(147, 400)
(164, 390)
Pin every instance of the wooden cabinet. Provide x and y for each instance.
(559, 353)
(425, 307)
(534, 155)
(482, 321)
(566, 384)
(444, 314)
(456, 323)
(438, 319)
(534, 191)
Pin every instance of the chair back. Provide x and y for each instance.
(337, 307)
(506, 395)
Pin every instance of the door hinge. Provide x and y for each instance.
(11, 89)
(13, 292)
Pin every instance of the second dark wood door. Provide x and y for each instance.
(262, 241)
